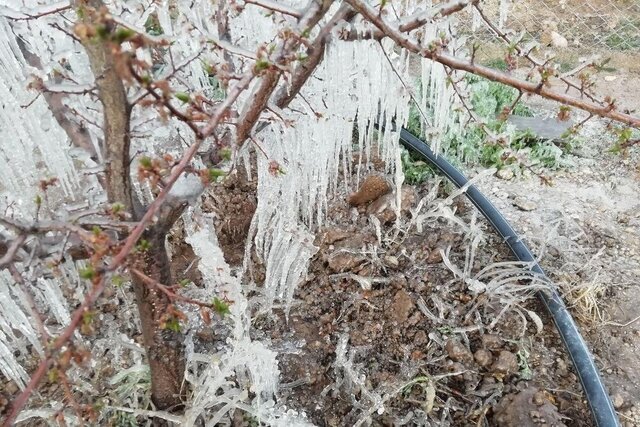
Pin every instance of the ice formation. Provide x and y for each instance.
(358, 83)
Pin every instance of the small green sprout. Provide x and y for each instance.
(221, 307)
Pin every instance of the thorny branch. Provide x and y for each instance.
(436, 54)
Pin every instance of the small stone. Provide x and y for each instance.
(11, 388)
(333, 235)
(524, 204)
(483, 358)
(539, 398)
(457, 351)
(558, 40)
(618, 401)
(491, 341)
(435, 257)
(610, 78)
(344, 261)
(401, 307)
(407, 198)
(391, 261)
(420, 338)
(505, 174)
(506, 364)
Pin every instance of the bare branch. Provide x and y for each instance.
(50, 9)
(116, 113)
(315, 53)
(564, 78)
(269, 81)
(411, 45)
(12, 250)
(417, 20)
(276, 7)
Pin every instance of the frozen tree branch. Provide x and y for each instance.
(78, 135)
(417, 20)
(534, 61)
(269, 81)
(116, 111)
(436, 54)
(276, 7)
(315, 53)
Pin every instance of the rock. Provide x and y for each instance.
(407, 198)
(558, 40)
(610, 78)
(457, 351)
(524, 204)
(527, 408)
(506, 364)
(505, 173)
(373, 187)
(332, 235)
(340, 262)
(11, 388)
(491, 341)
(435, 257)
(618, 401)
(401, 307)
(391, 261)
(381, 204)
(420, 338)
(483, 357)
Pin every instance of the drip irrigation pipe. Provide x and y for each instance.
(599, 401)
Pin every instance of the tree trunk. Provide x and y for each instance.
(164, 347)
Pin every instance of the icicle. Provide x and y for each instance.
(504, 11)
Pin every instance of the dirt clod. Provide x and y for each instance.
(401, 307)
(505, 364)
(340, 262)
(483, 357)
(521, 410)
(491, 342)
(373, 187)
(457, 351)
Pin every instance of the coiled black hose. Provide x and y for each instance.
(601, 407)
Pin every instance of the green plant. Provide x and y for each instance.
(468, 142)
(416, 171)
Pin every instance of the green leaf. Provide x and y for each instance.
(143, 245)
(214, 174)
(87, 273)
(261, 65)
(225, 153)
(184, 97)
(172, 324)
(123, 34)
(221, 307)
(145, 162)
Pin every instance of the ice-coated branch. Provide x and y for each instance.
(78, 135)
(315, 53)
(276, 7)
(116, 110)
(436, 54)
(39, 12)
(565, 78)
(417, 20)
(269, 81)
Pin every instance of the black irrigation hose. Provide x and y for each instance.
(603, 412)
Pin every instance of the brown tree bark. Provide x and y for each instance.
(164, 347)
